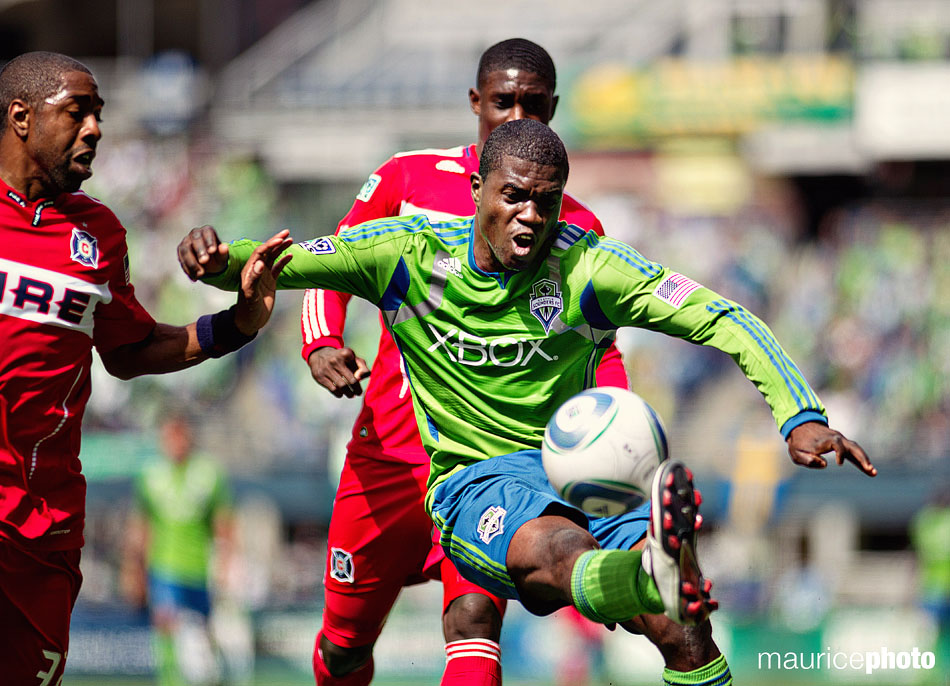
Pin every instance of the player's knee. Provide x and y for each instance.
(340, 661)
(472, 615)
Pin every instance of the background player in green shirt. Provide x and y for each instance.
(182, 516)
(500, 318)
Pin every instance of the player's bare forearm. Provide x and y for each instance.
(809, 441)
(167, 349)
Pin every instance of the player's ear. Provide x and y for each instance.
(19, 116)
(475, 101)
(476, 188)
(554, 105)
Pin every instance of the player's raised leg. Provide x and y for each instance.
(689, 652)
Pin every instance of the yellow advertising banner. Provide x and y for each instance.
(608, 104)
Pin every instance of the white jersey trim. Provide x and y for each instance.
(458, 151)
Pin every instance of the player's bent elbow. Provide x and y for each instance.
(119, 364)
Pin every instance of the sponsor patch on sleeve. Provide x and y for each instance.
(319, 246)
(675, 289)
(366, 192)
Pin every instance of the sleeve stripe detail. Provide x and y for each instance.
(380, 227)
(305, 317)
(805, 398)
(313, 317)
(321, 313)
(630, 256)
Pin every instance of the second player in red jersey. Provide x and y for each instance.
(379, 538)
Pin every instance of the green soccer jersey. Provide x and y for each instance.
(180, 501)
(491, 356)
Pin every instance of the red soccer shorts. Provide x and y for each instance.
(380, 540)
(37, 594)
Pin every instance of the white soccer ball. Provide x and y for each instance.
(601, 449)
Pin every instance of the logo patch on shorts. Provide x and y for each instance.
(366, 192)
(319, 246)
(491, 523)
(84, 248)
(341, 565)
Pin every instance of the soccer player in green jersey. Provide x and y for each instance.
(182, 507)
(500, 318)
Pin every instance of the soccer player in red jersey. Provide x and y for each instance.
(64, 289)
(380, 535)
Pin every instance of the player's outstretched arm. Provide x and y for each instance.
(171, 348)
(809, 441)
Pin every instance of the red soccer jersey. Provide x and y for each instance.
(64, 287)
(435, 183)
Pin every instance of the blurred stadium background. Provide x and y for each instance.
(792, 154)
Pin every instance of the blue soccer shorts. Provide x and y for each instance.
(165, 594)
(478, 510)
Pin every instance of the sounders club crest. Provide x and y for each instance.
(546, 302)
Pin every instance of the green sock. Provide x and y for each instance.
(611, 586)
(716, 673)
(166, 664)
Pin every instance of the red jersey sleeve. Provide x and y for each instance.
(122, 320)
(323, 315)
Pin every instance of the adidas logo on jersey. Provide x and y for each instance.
(450, 265)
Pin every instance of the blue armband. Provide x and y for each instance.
(218, 335)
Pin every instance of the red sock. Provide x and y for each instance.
(472, 662)
(360, 677)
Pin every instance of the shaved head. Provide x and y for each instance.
(33, 77)
(525, 139)
(520, 54)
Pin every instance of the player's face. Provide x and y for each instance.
(506, 95)
(177, 440)
(65, 132)
(517, 210)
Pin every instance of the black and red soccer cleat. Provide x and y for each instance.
(670, 552)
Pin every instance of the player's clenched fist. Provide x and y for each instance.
(201, 253)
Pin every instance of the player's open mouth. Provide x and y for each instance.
(523, 243)
(85, 159)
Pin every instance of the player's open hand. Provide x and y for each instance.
(256, 296)
(339, 370)
(809, 441)
(201, 253)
